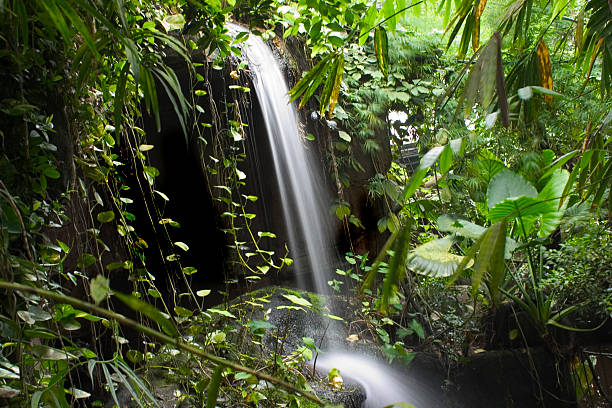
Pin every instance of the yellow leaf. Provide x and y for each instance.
(593, 57)
(333, 100)
(546, 79)
(476, 32)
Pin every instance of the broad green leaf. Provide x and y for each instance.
(434, 259)
(456, 225)
(260, 325)
(150, 311)
(508, 185)
(189, 270)
(446, 159)
(512, 208)
(388, 11)
(344, 136)
(550, 212)
(367, 23)
(182, 312)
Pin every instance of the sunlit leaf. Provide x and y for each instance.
(297, 300)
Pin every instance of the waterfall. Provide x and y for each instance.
(306, 211)
(306, 202)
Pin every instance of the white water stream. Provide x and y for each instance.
(305, 199)
(306, 211)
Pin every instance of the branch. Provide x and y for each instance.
(178, 343)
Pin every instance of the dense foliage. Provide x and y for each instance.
(509, 206)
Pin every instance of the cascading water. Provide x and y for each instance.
(306, 208)
(305, 200)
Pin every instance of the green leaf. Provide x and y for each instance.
(150, 311)
(549, 212)
(467, 229)
(99, 288)
(84, 261)
(367, 23)
(344, 136)
(182, 245)
(106, 216)
(203, 292)
(512, 208)
(189, 270)
(260, 325)
(434, 259)
(508, 185)
(397, 264)
(446, 159)
(213, 387)
(182, 312)
(491, 259)
(297, 300)
(221, 312)
(418, 329)
(388, 11)
(310, 81)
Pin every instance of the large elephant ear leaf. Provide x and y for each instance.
(434, 259)
(508, 185)
(548, 212)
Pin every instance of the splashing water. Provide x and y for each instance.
(305, 200)
(383, 384)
